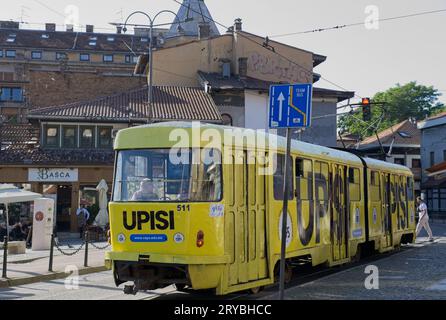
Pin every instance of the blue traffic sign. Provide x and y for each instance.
(290, 106)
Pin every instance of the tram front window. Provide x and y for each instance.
(156, 175)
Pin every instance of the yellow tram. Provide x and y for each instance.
(201, 206)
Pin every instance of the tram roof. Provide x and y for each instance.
(139, 138)
(386, 166)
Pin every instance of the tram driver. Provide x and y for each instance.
(145, 192)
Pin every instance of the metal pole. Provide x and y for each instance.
(151, 72)
(286, 187)
(86, 250)
(7, 220)
(5, 256)
(50, 267)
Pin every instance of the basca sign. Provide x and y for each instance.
(53, 175)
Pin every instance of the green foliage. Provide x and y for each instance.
(402, 102)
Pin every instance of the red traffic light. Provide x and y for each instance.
(366, 101)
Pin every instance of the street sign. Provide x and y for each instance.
(290, 106)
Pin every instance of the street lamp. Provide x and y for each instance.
(150, 77)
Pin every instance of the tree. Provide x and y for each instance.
(402, 102)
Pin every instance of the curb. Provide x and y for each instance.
(5, 283)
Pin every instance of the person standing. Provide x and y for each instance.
(83, 216)
(423, 221)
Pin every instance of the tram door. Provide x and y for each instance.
(339, 219)
(387, 211)
(245, 222)
(256, 217)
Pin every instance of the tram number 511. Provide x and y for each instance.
(183, 208)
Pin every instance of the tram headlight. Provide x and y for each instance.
(200, 239)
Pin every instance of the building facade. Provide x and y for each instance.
(66, 150)
(237, 68)
(40, 68)
(399, 144)
(433, 161)
(243, 102)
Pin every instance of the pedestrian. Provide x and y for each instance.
(83, 216)
(423, 220)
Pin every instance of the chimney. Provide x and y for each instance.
(243, 67)
(50, 27)
(90, 28)
(9, 25)
(204, 31)
(238, 24)
(70, 28)
(119, 29)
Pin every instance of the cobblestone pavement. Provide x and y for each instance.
(418, 272)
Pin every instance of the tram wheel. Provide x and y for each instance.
(357, 257)
(256, 290)
(180, 286)
(288, 273)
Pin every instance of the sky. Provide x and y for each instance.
(361, 59)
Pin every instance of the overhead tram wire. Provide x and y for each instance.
(262, 46)
(355, 24)
(282, 56)
(379, 120)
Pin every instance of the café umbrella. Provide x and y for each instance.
(11, 194)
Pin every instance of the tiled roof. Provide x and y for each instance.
(437, 116)
(437, 168)
(405, 133)
(217, 81)
(191, 14)
(350, 140)
(20, 145)
(76, 41)
(169, 103)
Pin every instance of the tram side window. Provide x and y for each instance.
(354, 184)
(402, 188)
(304, 179)
(321, 179)
(375, 186)
(279, 164)
(410, 189)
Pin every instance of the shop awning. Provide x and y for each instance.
(11, 194)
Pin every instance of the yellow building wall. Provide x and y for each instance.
(295, 65)
(178, 65)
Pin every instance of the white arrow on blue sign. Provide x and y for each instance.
(290, 106)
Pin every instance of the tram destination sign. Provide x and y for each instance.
(53, 175)
(290, 106)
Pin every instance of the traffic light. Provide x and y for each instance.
(366, 109)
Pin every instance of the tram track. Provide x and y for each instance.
(301, 275)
